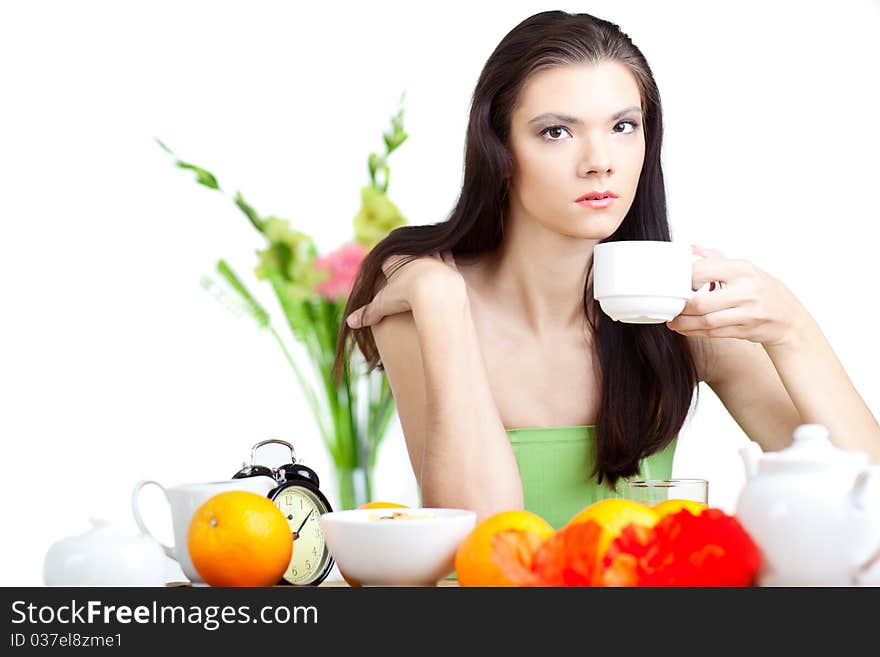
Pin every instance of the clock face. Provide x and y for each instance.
(303, 509)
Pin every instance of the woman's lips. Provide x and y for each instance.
(596, 204)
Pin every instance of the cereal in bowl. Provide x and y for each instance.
(400, 515)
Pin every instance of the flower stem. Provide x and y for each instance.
(317, 412)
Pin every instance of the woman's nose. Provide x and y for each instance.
(596, 158)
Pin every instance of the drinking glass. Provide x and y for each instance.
(654, 491)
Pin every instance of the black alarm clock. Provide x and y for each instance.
(302, 503)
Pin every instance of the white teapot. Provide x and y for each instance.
(105, 555)
(814, 512)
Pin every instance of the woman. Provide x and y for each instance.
(513, 389)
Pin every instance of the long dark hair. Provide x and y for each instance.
(648, 374)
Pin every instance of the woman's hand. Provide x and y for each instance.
(750, 304)
(396, 296)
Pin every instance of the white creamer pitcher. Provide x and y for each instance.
(184, 500)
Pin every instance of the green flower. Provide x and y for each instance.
(290, 254)
(378, 217)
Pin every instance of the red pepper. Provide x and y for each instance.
(710, 549)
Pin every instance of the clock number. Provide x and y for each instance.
(312, 559)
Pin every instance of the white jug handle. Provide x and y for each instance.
(137, 514)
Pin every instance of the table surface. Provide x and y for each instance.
(343, 583)
(338, 583)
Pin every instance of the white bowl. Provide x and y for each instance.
(413, 551)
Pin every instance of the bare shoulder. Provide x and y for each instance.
(474, 269)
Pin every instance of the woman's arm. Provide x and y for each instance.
(745, 380)
(821, 390)
(771, 389)
(458, 447)
(468, 458)
(768, 360)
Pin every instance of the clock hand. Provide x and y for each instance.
(296, 533)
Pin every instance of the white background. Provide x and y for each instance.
(115, 365)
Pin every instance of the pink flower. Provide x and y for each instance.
(343, 264)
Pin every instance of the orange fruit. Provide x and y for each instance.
(667, 507)
(350, 580)
(474, 565)
(383, 505)
(239, 538)
(568, 558)
(612, 515)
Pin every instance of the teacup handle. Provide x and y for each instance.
(137, 514)
(705, 286)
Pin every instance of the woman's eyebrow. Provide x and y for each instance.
(556, 116)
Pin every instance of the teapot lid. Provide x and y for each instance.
(813, 448)
(105, 555)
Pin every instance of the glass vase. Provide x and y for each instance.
(353, 486)
(363, 409)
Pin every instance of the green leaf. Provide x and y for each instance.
(249, 212)
(250, 303)
(232, 304)
(203, 176)
(164, 147)
(293, 307)
(373, 163)
(398, 134)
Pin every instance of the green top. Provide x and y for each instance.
(555, 465)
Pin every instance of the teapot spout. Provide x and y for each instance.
(751, 454)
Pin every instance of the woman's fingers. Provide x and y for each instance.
(393, 297)
(354, 318)
(371, 313)
(703, 251)
(382, 304)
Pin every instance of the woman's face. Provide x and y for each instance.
(599, 146)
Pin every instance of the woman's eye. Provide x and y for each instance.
(546, 131)
(631, 123)
(556, 128)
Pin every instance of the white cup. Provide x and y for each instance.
(184, 500)
(643, 281)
